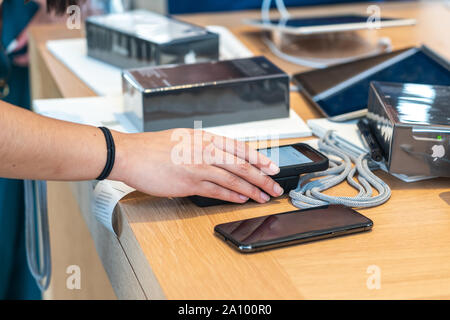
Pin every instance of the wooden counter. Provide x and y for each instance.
(166, 247)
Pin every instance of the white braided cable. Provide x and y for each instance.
(309, 192)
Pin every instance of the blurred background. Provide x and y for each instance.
(182, 6)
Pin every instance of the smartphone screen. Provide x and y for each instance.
(296, 159)
(285, 156)
(292, 227)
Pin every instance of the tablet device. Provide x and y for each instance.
(341, 92)
(325, 24)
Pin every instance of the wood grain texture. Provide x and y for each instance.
(74, 236)
(176, 256)
(71, 244)
(114, 258)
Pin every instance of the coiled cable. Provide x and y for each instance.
(309, 193)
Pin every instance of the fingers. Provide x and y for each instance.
(234, 183)
(231, 170)
(252, 175)
(212, 190)
(243, 151)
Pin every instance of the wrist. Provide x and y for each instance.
(120, 164)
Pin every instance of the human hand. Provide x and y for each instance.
(185, 162)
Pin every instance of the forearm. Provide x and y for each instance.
(41, 148)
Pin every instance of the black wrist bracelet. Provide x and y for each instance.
(111, 154)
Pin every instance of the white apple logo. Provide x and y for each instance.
(438, 151)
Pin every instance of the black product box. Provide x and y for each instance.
(216, 93)
(411, 122)
(141, 38)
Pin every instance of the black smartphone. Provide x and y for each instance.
(296, 159)
(293, 160)
(293, 227)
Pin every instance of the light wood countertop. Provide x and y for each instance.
(170, 245)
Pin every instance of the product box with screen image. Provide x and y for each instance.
(411, 122)
(141, 38)
(216, 93)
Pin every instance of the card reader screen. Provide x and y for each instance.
(285, 156)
